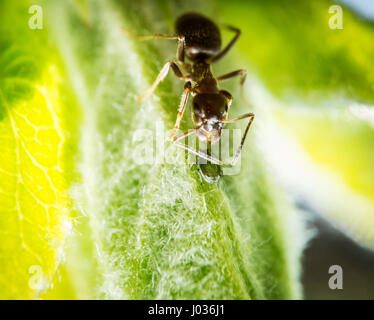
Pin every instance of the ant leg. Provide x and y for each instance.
(243, 75)
(229, 46)
(228, 96)
(180, 50)
(241, 72)
(181, 43)
(251, 117)
(161, 76)
(192, 150)
(182, 108)
(150, 36)
(180, 54)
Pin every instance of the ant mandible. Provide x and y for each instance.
(200, 40)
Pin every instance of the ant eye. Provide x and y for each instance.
(195, 107)
(226, 107)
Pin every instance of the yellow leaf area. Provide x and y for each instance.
(34, 215)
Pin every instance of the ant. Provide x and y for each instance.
(200, 40)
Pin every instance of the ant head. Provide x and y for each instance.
(209, 109)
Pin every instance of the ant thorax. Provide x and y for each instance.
(200, 70)
(206, 83)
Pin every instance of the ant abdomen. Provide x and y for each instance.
(202, 36)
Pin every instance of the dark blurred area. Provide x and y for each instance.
(332, 247)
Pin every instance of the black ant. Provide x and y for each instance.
(200, 40)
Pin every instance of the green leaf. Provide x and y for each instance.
(139, 231)
(159, 232)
